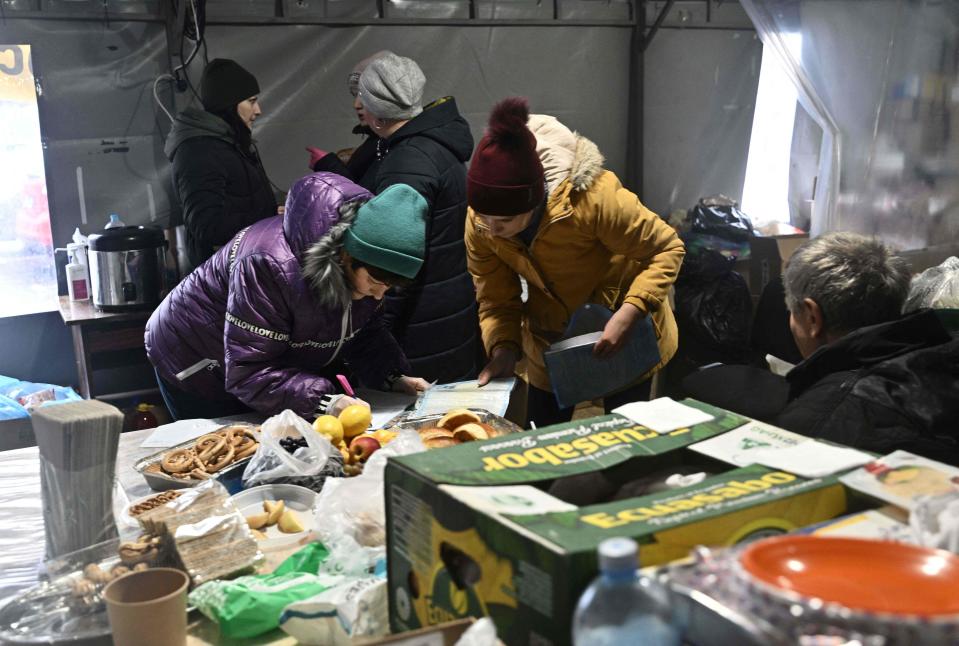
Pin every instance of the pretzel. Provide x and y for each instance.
(220, 461)
(178, 461)
(209, 446)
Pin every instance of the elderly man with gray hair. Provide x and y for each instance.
(870, 378)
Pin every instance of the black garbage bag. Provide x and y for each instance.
(713, 314)
(720, 217)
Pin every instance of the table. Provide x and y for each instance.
(22, 539)
(98, 336)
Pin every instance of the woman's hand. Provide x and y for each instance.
(343, 401)
(502, 363)
(410, 385)
(616, 331)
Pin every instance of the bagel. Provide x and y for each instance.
(456, 418)
(472, 431)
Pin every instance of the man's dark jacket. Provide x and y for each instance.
(882, 388)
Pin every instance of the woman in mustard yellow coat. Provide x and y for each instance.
(542, 207)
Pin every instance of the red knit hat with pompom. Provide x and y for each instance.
(506, 176)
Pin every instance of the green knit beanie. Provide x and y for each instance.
(389, 231)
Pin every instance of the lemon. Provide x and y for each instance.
(330, 427)
(355, 419)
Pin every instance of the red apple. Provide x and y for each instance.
(363, 446)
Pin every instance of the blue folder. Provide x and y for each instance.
(576, 375)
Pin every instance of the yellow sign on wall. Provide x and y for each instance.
(16, 74)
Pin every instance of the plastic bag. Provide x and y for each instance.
(351, 515)
(357, 607)
(934, 521)
(720, 216)
(713, 310)
(251, 605)
(205, 531)
(309, 466)
(936, 287)
(481, 633)
(19, 398)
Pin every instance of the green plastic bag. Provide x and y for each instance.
(251, 605)
(309, 559)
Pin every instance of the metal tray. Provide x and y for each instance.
(501, 425)
(230, 477)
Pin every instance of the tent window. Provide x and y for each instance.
(28, 282)
(766, 187)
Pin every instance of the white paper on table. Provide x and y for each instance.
(515, 500)
(811, 459)
(384, 405)
(493, 397)
(901, 478)
(738, 445)
(663, 415)
(178, 432)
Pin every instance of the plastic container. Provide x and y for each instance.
(299, 499)
(78, 285)
(621, 606)
(144, 418)
(115, 222)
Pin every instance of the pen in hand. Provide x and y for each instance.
(347, 388)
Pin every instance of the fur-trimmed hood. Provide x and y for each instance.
(565, 154)
(319, 210)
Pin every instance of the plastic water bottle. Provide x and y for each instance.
(115, 222)
(621, 606)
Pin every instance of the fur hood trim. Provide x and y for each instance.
(565, 154)
(323, 265)
(587, 164)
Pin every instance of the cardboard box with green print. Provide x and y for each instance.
(508, 528)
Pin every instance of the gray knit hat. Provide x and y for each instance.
(391, 87)
(353, 81)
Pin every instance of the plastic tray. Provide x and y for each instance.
(299, 499)
(501, 425)
(230, 477)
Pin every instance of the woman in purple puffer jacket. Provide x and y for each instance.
(267, 320)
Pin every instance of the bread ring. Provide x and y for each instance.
(244, 440)
(178, 461)
(209, 446)
(199, 474)
(221, 460)
(247, 450)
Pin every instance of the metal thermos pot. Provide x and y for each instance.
(127, 268)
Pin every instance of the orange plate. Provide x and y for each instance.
(874, 576)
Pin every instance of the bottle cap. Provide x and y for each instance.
(618, 554)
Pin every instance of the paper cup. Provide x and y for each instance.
(148, 608)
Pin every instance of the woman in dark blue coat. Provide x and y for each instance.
(435, 319)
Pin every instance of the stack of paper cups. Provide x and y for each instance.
(78, 451)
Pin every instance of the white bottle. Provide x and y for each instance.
(78, 285)
(115, 222)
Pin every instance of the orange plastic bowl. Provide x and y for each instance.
(872, 576)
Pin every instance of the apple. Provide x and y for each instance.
(363, 446)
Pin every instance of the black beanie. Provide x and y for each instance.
(225, 83)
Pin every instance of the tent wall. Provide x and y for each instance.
(105, 132)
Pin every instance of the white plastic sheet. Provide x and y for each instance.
(876, 76)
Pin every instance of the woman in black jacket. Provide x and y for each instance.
(218, 174)
(435, 319)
